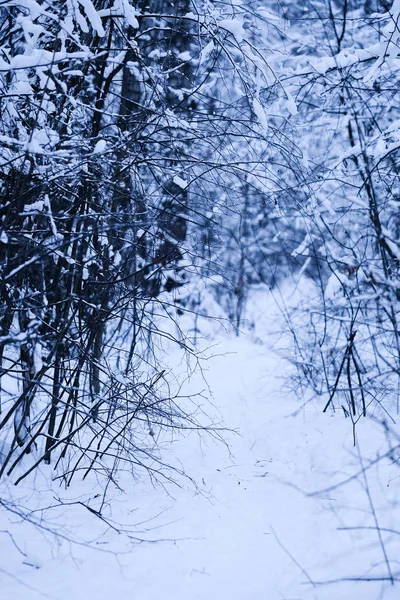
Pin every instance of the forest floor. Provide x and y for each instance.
(266, 519)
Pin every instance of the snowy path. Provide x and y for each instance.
(241, 537)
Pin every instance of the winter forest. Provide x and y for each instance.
(200, 299)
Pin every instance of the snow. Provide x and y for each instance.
(37, 206)
(260, 112)
(206, 51)
(93, 17)
(304, 247)
(38, 58)
(249, 530)
(35, 10)
(193, 17)
(234, 26)
(185, 56)
(122, 7)
(290, 104)
(347, 57)
(100, 146)
(180, 182)
(31, 30)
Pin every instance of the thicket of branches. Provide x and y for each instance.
(347, 91)
(134, 148)
(149, 148)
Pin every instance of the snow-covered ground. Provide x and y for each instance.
(251, 529)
